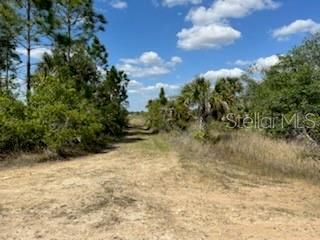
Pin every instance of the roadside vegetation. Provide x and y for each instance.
(69, 103)
(268, 126)
(72, 102)
(254, 153)
(236, 158)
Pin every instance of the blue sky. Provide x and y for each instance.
(169, 42)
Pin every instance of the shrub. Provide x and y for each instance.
(16, 133)
(156, 119)
(174, 115)
(66, 118)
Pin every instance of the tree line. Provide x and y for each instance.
(71, 98)
(288, 95)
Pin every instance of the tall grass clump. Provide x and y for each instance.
(253, 151)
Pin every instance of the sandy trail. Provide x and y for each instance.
(131, 193)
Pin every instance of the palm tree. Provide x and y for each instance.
(228, 88)
(219, 107)
(224, 96)
(197, 95)
(206, 101)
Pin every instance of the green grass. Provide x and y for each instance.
(155, 144)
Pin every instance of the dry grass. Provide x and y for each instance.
(255, 152)
(20, 159)
(139, 191)
(137, 119)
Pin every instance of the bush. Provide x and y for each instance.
(172, 116)
(156, 119)
(66, 118)
(115, 118)
(16, 133)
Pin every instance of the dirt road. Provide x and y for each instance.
(139, 190)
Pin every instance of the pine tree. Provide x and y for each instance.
(8, 42)
(36, 21)
(77, 23)
(99, 53)
(162, 97)
(112, 100)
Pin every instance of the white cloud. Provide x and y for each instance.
(263, 64)
(134, 84)
(159, 85)
(214, 75)
(225, 9)
(172, 3)
(298, 26)
(148, 64)
(211, 28)
(140, 94)
(119, 4)
(138, 87)
(210, 36)
(36, 53)
(258, 65)
(150, 58)
(240, 62)
(176, 60)
(140, 72)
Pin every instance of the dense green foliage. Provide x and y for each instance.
(198, 100)
(285, 102)
(12, 123)
(111, 99)
(165, 115)
(290, 92)
(72, 100)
